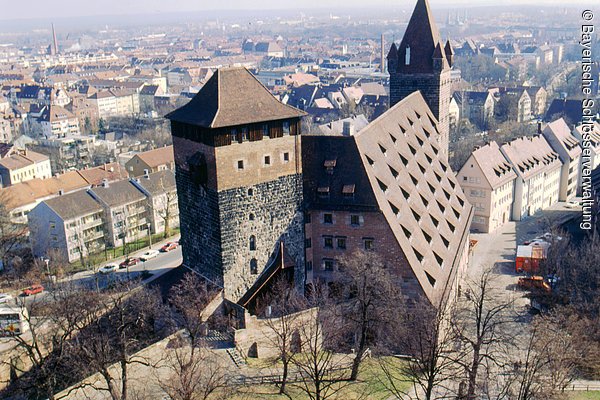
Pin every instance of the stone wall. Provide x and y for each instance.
(268, 211)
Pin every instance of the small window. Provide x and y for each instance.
(309, 266)
(252, 243)
(265, 129)
(233, 135)
(328, 218)
(253, 266)
(341, 243)
(267, 160)
(355, 220)
(250, 192)
(240, 164)
(328, 242)
(286, 127)
(286, 157)
(245, 134)
(368, 243)
(308, 243)
(328, 264)
(251, 217)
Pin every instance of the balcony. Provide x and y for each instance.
(92, 224)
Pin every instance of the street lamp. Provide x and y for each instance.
(47, 261)
(149, 235)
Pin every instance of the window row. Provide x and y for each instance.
(267, 161)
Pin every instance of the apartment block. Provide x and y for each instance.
(559, 136)
(488, 181)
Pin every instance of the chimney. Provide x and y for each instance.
(539, 127)
(54, 39)
(104, 183)
(348, 129)
(382, 53)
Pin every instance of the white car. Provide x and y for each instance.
(149, 255)
(107, 269)
(572, 204)
(5, 298)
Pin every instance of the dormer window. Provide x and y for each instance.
(348, 191)
(407, 56)
(330, 165)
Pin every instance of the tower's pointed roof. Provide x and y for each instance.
(232, 96)
(422, 37)
(393, 53)
(448, 48)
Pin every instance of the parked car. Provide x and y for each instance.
(107, 269)
(168, 247)
(534, 283)
(149, 255)
(129, 262)
(572, 204)
(5, 298)
(31, 290)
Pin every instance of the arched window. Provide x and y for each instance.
(253, 266)
(252, 243)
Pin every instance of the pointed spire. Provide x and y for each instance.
(437, 53)
(393, 53)
(422, 37)
(448, 48)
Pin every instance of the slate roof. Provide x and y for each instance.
(158, 182)
(423, 38)
(496, 169)
(72, 205)
(562, 133)
(530, 156)
(328, 164)
(118, 193)
(247, 102)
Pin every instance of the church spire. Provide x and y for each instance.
(422, 37)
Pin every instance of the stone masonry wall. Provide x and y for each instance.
(199, 224)
(272, 211)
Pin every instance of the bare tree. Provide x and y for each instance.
(371, 301)
(166, 206)
(481, 325)
(424, 335)
(321, 371)
(283, 320)
(194, 373)
(133, 321)
(53, 322)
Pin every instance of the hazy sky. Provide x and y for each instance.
(13, 9)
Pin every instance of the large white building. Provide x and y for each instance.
(566, 145)
(488, 181)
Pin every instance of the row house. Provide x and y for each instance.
(57, 122)
(590, 158)
(70, 225)
(20, 165)
(116, 102)
(519, 101)
(477, 107)
(488, 180)
(125, 211)
(538, 169)
(87, 221)
(154, 160)
(559, 135)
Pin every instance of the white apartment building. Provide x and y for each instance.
(566, 145)
(21, 165)
(71, 225)
(488, 181)
(538, 169)
(590, 154)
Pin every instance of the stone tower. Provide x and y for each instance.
(422, 62)
(239, 182)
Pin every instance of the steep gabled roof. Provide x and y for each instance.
(494, 166)
(232, 96)
(423, 38)
(416, 191)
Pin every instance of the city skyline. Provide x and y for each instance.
(73, 8)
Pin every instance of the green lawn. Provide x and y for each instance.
(368, 386)
(595, 395)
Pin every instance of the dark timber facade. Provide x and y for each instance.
(423, 63)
